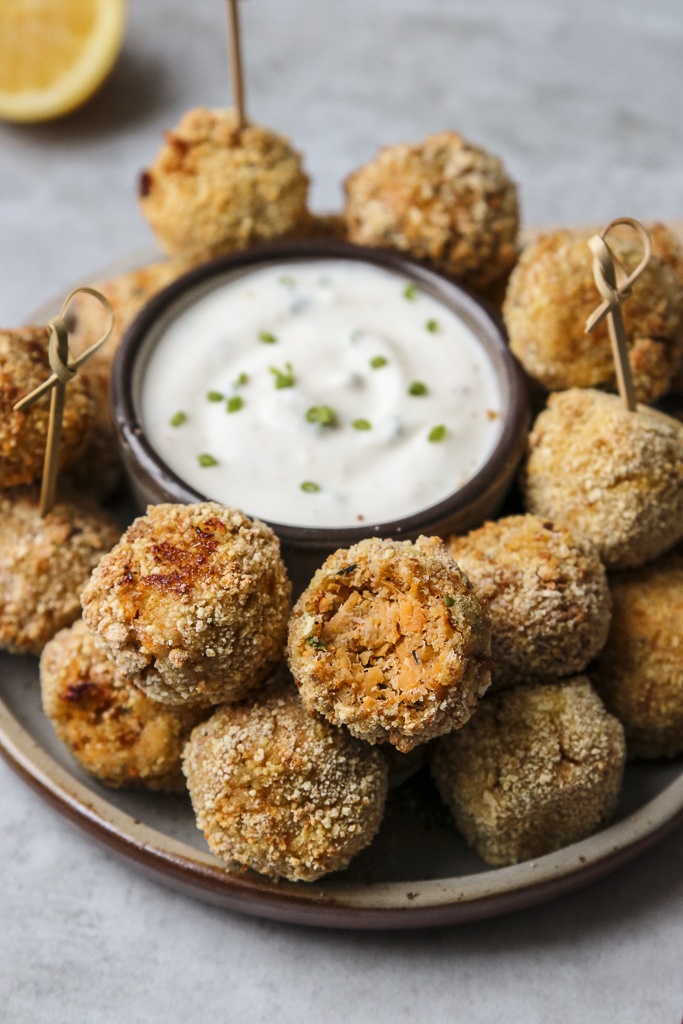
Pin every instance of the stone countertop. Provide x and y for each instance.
(582, 98)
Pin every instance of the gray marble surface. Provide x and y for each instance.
(582, 98)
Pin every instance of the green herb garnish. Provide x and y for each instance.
(178, 419)
(417, 388)
(288, 280)
(316, 643)
(242, 380)
(321, 414)
(214, 396)
(410, 291)
(267, 337)
(432, 326)
(448, 600)
(437, 434)
(309, 487)
(377, 362)
(284, 378)
(207, 460)
(362, 425)
(235, 403)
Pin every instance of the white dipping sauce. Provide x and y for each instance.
(331, 320)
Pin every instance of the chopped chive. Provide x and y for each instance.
(267, 337)
(417, 388)
(207, 460)
(347, 569)
(410, 291)
(214, 396)
(309, 487)
(178, 419)
(362, 425)
(377, 362)
(242, 380)
(448, 600)
(321, 414)
(415, 657)
(316, 643)
(288, 280)
(235, 403)
(284, 378)
(432, 326)
(437, 433)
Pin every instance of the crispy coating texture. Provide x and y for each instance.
(215, 188)
(552, 293)
(283, 793)
(612, 475)
(113, 730)
(192, 603)
(545, 590)
(24, 364)
(444, 201)
(639, 674)
(538, 767)
(390, 640)
(44, 565)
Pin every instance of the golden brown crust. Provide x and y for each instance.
(115, 733)
(444, 201)
(192, 603)
(44, 565)
(322, 225)
(389, 640)
(613, 476)
(546, 592)
(538, 767)
(215, 188)
(24, 364)
(552, 293)
(639, 674)
(281, 792)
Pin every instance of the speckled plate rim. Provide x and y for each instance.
(337, 903)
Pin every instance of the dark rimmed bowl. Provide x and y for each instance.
(305, 548)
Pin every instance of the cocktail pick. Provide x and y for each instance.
(614, 284)
(236, 61)
(64, 369)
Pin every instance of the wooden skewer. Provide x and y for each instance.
(614, 284)
(63, 370)
(236, 65)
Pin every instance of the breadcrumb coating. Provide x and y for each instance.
(283, 793)
(24, 364)
(444, 201)
(44, 565)
(192, 603)
(113, 730)
(614, 476)
(639, 674)
(545, 590)
(389, 640)
(552, 293)
(537, 768)
(215, 188)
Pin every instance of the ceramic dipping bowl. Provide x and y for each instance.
(304, 548)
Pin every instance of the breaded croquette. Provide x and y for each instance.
(216, 188)
(538, 767)
(639, 674)
(552, 293)
(283, 793)
(192, 603)
(390, 640)
(44, 565)
(113, 730)
(444, 201)
(545, 590)
(612, 475)
(24, 364)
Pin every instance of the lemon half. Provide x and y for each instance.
(54, 54)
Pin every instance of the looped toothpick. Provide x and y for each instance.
(236, 65)
(614, 284)
(63, 369)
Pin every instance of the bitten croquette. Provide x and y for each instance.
(390, 640)
(537, 768)
(114, 731)
(283, 793)
(192, 603)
